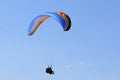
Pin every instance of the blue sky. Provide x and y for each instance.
(90, 50)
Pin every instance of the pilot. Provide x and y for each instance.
(49, 70)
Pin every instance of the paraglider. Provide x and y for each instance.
(49, 70)
(61, 17)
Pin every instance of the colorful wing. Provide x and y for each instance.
(61, 17)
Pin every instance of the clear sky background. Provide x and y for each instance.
(90, 50)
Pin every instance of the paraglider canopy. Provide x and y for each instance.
(61, 17)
